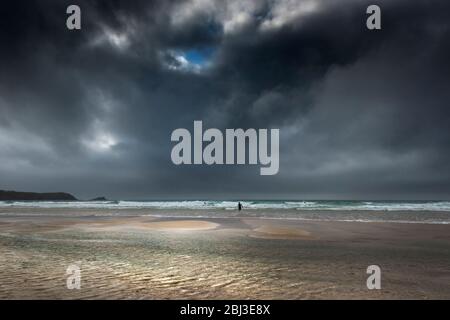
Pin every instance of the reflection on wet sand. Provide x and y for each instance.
(151, 258)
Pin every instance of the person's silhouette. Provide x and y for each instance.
(239, 206)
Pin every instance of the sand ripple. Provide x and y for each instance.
(148, 259)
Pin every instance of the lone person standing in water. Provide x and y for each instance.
(239, 206)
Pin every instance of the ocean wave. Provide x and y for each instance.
(429, 212)
(232, 205)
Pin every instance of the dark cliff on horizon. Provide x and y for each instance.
(34, 196)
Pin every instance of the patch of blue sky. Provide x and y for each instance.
(200, 57)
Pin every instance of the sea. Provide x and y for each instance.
(434, 212)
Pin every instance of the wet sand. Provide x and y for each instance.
(144, 257)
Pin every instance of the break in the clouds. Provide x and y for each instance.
(362, 114)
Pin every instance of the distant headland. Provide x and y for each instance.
(34, 196)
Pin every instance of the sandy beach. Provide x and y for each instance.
(145, 257)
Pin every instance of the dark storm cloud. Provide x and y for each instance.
(362, 113)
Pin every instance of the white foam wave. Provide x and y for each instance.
(443, 206)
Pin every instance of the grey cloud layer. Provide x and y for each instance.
(362, 114)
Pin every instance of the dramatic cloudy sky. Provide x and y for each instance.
(362, 114)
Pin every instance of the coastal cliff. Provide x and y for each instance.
(33, 196)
